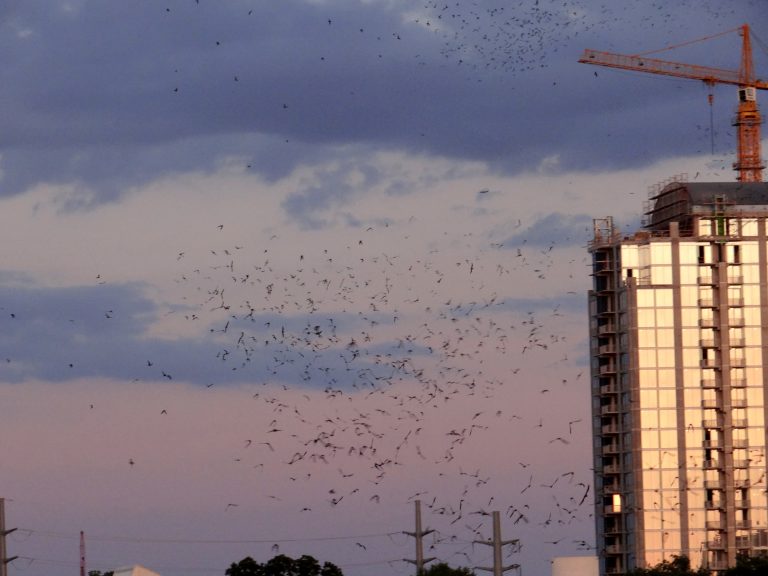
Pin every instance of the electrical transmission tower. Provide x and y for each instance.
(4, 560)
(419, 534)
(498, 569)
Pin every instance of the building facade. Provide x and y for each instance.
(679, 350)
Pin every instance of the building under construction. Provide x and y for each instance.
(679, 357)
(679, 348)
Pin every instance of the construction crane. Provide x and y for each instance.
(749, 163)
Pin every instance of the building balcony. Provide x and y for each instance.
(613, 529)
(609, 368)
(739, 423)
(736, 322)
(738, 402)
(738, 362)
(714, 505)
(711, 424)
(609, 409)
(741, 463)
(742, 524)
(735, 302)
(707, 303)
(610, 489)
(743, 542)
(738, 383)
(614, 549)
(607, 349)
(742, 503)
(714, 525)
(741, 483)
(708, 343)
(708, 323)
(611, 449)
(612, 469)
(736, 342)
(611, 509)
(609, 429)
(604, 266)
(712, 464)
(706, 281)
(715, 545)
(735, 279)
(709, 363)
(711, 403)
(740, 442)
(611, 388)
(609, 328)
(710, 383)
(713, 485)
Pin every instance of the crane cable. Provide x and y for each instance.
(702, 39)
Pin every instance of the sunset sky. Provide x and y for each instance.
(272, 271)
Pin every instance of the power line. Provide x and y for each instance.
(134, 540)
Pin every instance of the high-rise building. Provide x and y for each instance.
(679, 364)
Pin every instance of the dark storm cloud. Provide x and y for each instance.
(59, 334)
(112, 94)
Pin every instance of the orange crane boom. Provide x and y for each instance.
(749, 162)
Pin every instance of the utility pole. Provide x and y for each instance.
(4, 560)
(82, 553)
(497, 543)
(419, 536)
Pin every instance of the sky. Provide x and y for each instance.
(273, 272)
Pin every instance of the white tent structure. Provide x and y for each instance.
(135, 570)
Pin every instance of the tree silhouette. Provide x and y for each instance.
(678, 566)
(282, 565)
(749, 566)
(443, 569)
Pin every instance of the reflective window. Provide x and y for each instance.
(688, 252)
(647, 357)
(749, 227)
(646, 338)
(692, 396)
(750, 274)
(661, 253)
(665, 338)
(648, 399)
(649, 419)
(664, 297)
(751, 294)
(647, 378)
(668, 418)
(645, 318)
(669, 440)
(661, 274)
(753, 356)
(666, 358)
(667, 378)
(649, 439)
(645, 298)
(690, 337)
(667, 398)
(689, 275)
